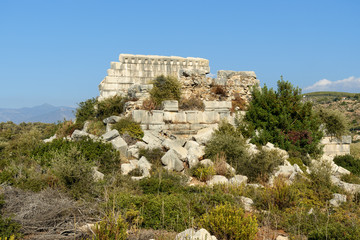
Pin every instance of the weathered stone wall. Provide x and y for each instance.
(335, 147)
(234, 84)
(171, 118)
(142, 69)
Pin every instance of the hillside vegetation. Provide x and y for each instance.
(272, 179)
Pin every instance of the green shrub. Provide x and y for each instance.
(350, 178)
(335, 122)
(73, 172)
(229, 222)
(321, 182)
(349, 162)
(261, 165)
(95, 152)
(280, 117)
(163, 182)
(153, 155)
(96, 128)
(110, 106)
(202, 173)
(111, 227)
(298, 161)
(165, 88)
(279, 196)
(320, 224)
(228, 141)
(192, 103)
(127, 125)
(86, 111)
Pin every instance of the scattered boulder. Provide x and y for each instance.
(238, 180)
(192, 160)
(152, 140)
(191, 144)
(119, 144)
(133, 151)
(207, 162)
(110, 135)
(144, 166)
(348, 187)
(172, 161)
(78, 135)
(181, 152)
(191, 234)
(217, 179)
(112, 119)
(169, 143)
(269, 147)
(248, 203)
(128, 167)
(203, 135)
(198, 152)
(337, 199)
(98, 176)
(50, 139)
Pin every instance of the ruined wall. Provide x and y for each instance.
(142, 69)
(335, 147)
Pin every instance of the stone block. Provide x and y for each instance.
(180, 117)
(110, 135)
(217, 179)
(172, 161)
(169, 117)
(140, 116)
(170, 105)
(112, 119)
(156, 117)
(192, 117)
(211, 117)
(119, 144)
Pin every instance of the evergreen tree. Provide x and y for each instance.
(280, 117)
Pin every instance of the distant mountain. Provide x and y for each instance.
(45, 113)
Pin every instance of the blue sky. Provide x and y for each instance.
(57, 52)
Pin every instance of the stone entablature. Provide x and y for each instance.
(142, 69)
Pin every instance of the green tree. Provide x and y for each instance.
(165, 88)
(280, 117)
(335, 122)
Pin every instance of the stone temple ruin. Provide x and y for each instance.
(132, 76)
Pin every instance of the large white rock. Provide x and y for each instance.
(133, 151)
(337, 199)
(217, 179)
(207, 162)
(203, 135)
(169, 143)
(110, 135)
(172, 161)
(144, 166)
(181, 152)
(119, 144)
(238, 180)
(112, 119)
(192, 160)
(199, 152)
(78, 135)
(191, 234)
(152, 139)
(248, 203)
(50, 139)
(191, 144)
(98, 176)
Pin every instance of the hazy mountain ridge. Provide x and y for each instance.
(45, 113)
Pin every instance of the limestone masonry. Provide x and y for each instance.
(133, 74)
(142, 69)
